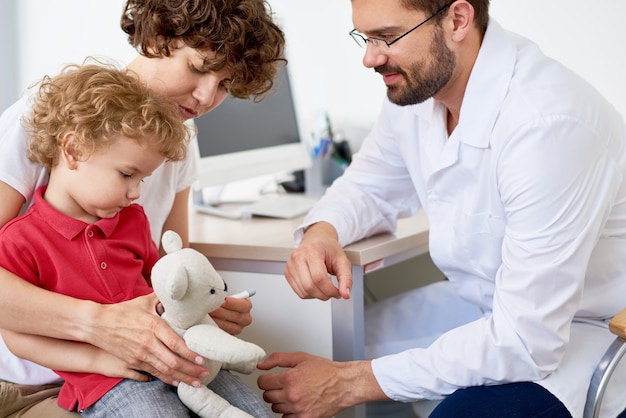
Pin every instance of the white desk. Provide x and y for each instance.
(249, 251)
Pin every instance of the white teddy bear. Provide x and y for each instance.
(189, 288)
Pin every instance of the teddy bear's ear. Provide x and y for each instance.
(178, 284)
(171, 242)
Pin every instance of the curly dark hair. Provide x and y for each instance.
(241, 33)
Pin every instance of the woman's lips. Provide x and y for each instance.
(187, 113)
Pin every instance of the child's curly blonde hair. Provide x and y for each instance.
(99, 103)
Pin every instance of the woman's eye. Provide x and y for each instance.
(195, 69)
(226, 85)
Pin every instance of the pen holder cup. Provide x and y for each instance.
(331, 169)
(321, 174)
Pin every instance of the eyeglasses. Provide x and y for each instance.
(362, 41)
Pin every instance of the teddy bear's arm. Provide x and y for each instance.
(215, 344)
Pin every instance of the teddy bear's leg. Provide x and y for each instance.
(208, 404)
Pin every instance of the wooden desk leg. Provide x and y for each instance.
(348, 331)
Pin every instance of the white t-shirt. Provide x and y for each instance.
(157, 196)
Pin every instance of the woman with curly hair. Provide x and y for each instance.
(196, 53)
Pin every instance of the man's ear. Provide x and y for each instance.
(462, 18)
(70, 154)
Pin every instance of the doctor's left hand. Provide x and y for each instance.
(315, 387)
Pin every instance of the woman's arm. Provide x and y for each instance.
(68, 356)
(12, 202)
(131, 330)
(17, 292)
(178, 218)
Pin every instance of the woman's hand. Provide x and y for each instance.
(134, 332)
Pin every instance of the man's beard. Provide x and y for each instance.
(425, 79)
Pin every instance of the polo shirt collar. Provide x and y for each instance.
(67, 226)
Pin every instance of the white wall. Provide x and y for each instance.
(587, 36)
(325, 63)
(51, 34)
(8, 88)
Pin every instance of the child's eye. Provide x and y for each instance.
(126, 175)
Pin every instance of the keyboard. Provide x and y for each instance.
(285, 206)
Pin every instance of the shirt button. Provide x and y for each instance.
(90, 234)
(103, 265)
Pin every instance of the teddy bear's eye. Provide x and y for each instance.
(212, 291)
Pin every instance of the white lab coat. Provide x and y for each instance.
(526, 202)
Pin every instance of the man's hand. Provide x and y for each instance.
(234, 315)
(314, 387)
(134, 332)
(318, 255)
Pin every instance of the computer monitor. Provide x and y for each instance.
(241, 139)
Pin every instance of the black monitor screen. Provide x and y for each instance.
(239, 125)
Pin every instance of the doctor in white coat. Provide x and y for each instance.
(520, 167)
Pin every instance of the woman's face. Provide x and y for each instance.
(181, 78)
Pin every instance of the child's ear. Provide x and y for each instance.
(70, 156)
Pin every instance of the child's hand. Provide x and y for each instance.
(234, 315)
(108, 365)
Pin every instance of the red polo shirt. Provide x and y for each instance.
(107, 262)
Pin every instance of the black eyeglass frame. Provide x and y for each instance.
(354, 33)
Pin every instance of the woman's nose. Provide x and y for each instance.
(206, 92)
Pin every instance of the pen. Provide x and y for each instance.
(244, 294)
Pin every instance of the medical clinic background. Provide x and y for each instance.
(39, 36)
